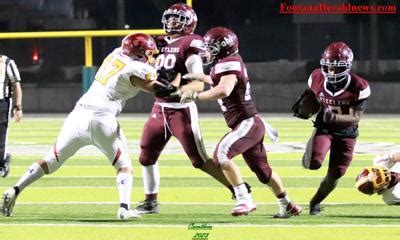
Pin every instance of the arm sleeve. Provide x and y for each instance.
(360, 105)
(194, 64)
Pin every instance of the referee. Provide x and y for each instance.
(10, 95)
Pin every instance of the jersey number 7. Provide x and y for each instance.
(109, 68)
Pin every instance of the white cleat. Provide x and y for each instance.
(8, 202)
(292, 209)
(243, 208)
(124, 214)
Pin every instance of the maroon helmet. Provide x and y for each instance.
(179, 19)
(139, 46)
(221, 42)
(373, 180)
(336, 62)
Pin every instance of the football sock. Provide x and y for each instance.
(124, 185)
(283, 200)
(151, 197)
(241, 193)
(124, 205)
(151, 178)
(34, 173)
(327, 185)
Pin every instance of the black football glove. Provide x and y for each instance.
(166, 74)
(164, 89)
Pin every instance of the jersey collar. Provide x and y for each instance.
(341, 90)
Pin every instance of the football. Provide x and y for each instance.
(309, 105)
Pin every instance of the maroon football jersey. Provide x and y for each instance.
(173, 55)
(238, 105)
(354, 91)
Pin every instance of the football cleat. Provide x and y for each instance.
(124, 214)
(5, 169)
(315, 209)
(8, 202)
(243, 208)
(148, 207)
(292, 209)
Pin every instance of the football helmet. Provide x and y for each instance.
(336, 62)
(221, 42)
(179, 19)
(140, 47)
(373, 180)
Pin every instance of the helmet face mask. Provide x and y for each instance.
(336, 62)
(373, 180)
(179, 19)
(210, 55)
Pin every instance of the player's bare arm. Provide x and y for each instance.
(17, 98)
(153, 86)
(195, 85)
(222, 90)
(198, 76)
(347, 119)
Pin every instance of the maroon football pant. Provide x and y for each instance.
(165, 122)
(341, 153)
(246, 139)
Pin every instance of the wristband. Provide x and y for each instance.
(18, 107)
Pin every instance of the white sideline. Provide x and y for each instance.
(228, 225)
(179, 187)
(205, 176)
(180, 203)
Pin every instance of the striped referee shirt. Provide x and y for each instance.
(8, 73)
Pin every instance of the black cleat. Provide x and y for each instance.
(315, 209)
(148, 207)
(5, 168)
(233, 191)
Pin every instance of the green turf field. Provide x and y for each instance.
(80, 200)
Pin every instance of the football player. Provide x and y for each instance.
(179, 54)
(232, 91)
(343, 96)
(124, 72)
(383, 178)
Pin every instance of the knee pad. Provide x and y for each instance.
(263, 173)
(314, 165)
(337, 172)
(52, 163)
(124, 161)
(197, 164)
(148, 157)
(266, 175)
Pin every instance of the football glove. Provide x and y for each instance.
(164, 89)
(189, 95)
(306, 105)
(166, 74)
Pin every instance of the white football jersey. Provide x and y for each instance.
(392, 195)
(112, 87)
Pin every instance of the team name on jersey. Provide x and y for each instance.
(333, 102)
(170, 49)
